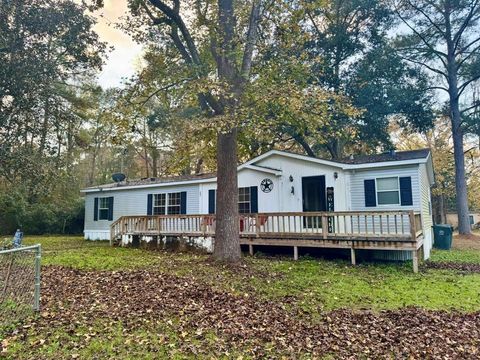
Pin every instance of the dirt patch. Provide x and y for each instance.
(466, 242)
(457, 266)
(71, 297)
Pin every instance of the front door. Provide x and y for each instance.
(313, 197)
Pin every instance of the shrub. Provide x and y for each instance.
(40, 218)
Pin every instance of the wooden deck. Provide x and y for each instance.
(386, 230)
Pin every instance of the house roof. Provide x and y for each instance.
(388, 156)
(154, 181)
(354, 162)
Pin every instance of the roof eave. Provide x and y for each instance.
(260, 169)
(391, 163)
(166, 184)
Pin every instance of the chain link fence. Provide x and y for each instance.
(19, 283)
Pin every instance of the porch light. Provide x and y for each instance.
(290, 178)
(335, 175)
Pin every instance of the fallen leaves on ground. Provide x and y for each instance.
(457, 266)
(471, 242)
(257, 327)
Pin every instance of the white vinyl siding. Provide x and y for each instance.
(134, 202)
(357, 190)
(426, 204)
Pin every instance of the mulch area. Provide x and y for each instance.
(71, 297)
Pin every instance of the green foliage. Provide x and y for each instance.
(350, 53)
(39, 218)
(48, 51)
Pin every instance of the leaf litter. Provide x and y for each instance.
(256, 327)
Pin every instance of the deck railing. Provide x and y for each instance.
(394, 225)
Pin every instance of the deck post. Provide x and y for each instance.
(352, 255)
(324, 226)
(415, 260)
(257, 225)
(250, 249)
(295, 253)
(413, 230)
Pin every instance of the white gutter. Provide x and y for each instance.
(261, 169)
(384, 164)
(166, 184)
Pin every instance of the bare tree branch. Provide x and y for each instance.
(174, 15)
(465, 24)
(435, 70)
(434, 24)
(470, 54)
(441, 55)
(462, 87)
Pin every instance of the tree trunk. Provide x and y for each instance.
(458, 154)
(460, 180)
(438, 207)
(155, 155)
(227, 238)
(199, 166)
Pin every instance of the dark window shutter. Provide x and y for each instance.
(150, 204)
(253, 199)
(95, 209)
(370, 195)
(110, 208)
(183, 202)
(211, 201)
(406, 191)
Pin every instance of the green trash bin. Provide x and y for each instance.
(442, 235)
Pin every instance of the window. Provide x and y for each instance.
(247, 200)
(159, 203)
(388, 191)
(167, 204)
(174, 203)
(244, 200)
(103, 208)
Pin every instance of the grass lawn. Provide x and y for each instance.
(311, 289)
(315, 284)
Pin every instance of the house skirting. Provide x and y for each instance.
(96, 234)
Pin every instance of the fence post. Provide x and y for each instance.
(38, 258)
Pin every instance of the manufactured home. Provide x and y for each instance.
(379, 202)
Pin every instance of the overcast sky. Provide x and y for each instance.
(121, 62)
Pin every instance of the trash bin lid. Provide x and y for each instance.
(443, 226)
